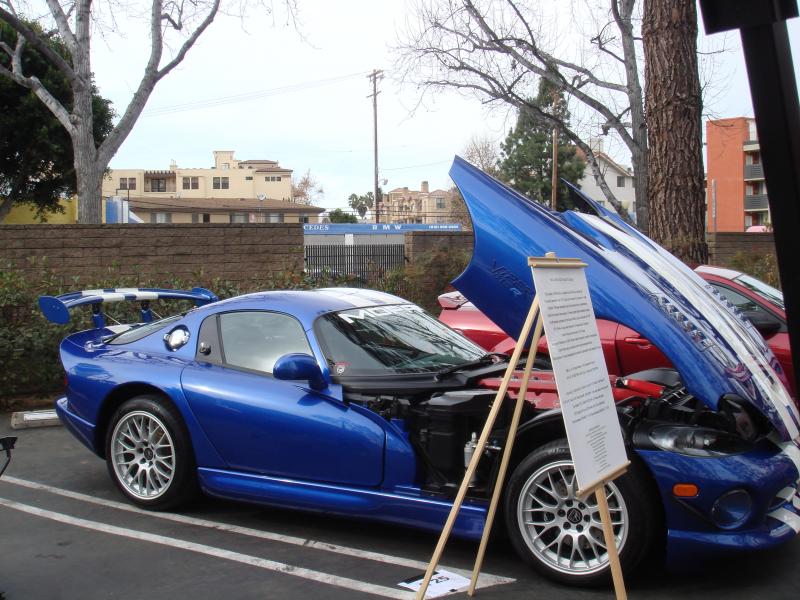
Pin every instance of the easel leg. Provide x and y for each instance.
(473, 465)
(611, 543)
(501, 474)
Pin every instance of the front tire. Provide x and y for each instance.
(560, 535)
(149, 454)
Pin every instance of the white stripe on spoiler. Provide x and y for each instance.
(120, 294)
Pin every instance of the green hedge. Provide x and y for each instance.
(29, 361)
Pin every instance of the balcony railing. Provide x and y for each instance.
(754, 172)
(758, 202)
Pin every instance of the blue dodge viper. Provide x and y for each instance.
(357, 403)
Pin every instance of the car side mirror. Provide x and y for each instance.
(293, 367)
(765, 323)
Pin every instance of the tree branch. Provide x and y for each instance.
(33, 84)
(36, 41)
(152, 75)
(63, 25)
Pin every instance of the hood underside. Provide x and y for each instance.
(632, 280)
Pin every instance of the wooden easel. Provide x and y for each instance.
(534, 317)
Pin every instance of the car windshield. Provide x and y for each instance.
(385, 340)
(769, 293)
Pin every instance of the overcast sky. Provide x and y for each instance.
(257, 87)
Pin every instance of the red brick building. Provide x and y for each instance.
(733, 163)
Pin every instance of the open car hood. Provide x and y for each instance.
(632, 280)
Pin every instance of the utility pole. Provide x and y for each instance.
(374, 77)
(554, 184)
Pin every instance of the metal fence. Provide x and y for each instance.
(367, 264)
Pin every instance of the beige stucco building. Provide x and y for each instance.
(618, 178)
(232, 191)
(402, 205)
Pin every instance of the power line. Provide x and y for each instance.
(441, 162)
(247, 96)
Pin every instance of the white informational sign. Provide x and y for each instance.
(587, 404)
(442, 583)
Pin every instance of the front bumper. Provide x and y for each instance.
(80, 428)
(769, 475)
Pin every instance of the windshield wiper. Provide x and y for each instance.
(483, 360)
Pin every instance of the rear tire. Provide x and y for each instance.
(149, 454)
(561, 536)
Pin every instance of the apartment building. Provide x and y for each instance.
(232, 191)
(736, 192)
(402, 205)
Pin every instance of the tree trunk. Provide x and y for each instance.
(673, 106)
(89, 195)
(623, 12)
(87, 171)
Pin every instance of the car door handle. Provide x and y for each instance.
(638, 341)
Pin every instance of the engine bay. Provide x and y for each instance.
(655, 409)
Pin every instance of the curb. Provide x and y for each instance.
(34, 418)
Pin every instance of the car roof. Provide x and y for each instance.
(718, 271)
(306, 304)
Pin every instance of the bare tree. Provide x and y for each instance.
(484, 153)
(307, 189)
(499, 49)
(176, 24)
(674, 109)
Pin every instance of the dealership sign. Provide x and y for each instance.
(374, 228)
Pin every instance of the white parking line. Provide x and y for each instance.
(485, 579)
(255, 561)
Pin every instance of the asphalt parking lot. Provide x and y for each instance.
(67, 533)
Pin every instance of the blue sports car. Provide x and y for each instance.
(358, 403)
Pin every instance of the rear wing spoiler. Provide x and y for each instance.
(56, 308)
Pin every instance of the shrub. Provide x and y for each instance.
(29, 343)
(760, 266)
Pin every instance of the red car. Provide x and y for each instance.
(628, 352)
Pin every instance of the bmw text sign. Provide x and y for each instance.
(374, 228)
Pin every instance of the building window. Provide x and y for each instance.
(127, 183)
(160, 217)
(206, 218)
(440, 203)
(158, 185)
(249, 178)
(239, 217)
(275, 218)
(620, 181)
(191, 183)
(272, 178)
(303, 219)
(226, 165)
(220, 183)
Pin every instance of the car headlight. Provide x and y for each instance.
(697, 441)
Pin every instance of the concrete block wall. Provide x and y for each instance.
(419, 243)
(723, 246)
(233, 252)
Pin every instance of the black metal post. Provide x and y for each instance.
(773, 88)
